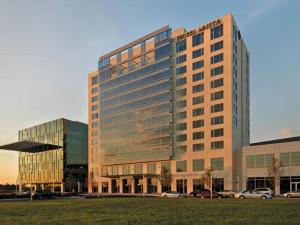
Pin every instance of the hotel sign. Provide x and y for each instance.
(199, 29)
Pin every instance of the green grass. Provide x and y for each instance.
(151, 211)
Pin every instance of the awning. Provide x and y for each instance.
(29, 146)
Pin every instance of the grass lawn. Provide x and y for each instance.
(151, 211)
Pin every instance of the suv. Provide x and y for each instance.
(265, 191)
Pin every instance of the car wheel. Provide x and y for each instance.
(231, 196)
(289, 196)
(263, 197)
(202, 196)
(242, 197)
(40, 197)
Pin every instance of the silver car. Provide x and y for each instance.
(265, 190)
(293, 194)
(172, 194)
(252, 194)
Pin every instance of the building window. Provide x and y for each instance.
(94, 80)
(198, 135)
(259, 161)
(198, 88)
(198, 123)
(181, 70)
(217, 95)
(181, 92)
(198, 100)
(198, 112)
(94, 90)
(216, 83)
(216, 46)
(295, 158)
(217, 132)
(198, 53)
(180, 59)
(216, 58)
(181, 126)
(198, 147)
(216, 32)
(151, 168)
(198, 184)
(95, 116)
(198, 39)
(94, 107)
(285, 158)
(181, 104)
(217, 145)
(95, 98)
(181, 137)
(181, 149)
(198, 165)
(217, 163)
(181, 115)
(198, 76)
(181, 166)
(138, 168)
(166, 165)
(250, 161)
(181, 46)
(197, 65)
(217, 71)
(217, 120)
(181, 81)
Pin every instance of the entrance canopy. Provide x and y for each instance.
(29, 146)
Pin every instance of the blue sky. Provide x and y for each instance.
(47, 49)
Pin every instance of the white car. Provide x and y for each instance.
(293, 194)
(252, 194)
(172, 194)
(265, 191)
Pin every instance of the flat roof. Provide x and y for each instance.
(29, 146)
(277, 141)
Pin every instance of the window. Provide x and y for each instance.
(166, 165)
(198, 39)
(197, 65)
(151, 168)
(198, 88)
(95, 98)
(217, 120)
(198, 100)
(95, 116)
(181, 70)
(126, 169)
(181, 92)
(250, 161)
(260, 161)
(217, 71)
(94, 107)
(216, 83)
(217, 132)
(181, 166)
(181, 148)
(216, 58)
(198, 53)
(198, 135)
(162, 52)
(138, 168)
(94, 80)
(198, 123)
(198, 112)
(217, 108)
(181, 81)
(216, 46)
(285, 158)
(181, 46)
(198, 76)
(198, 147)
(180, 59)
(217, 145)
(216, 32)
(217, 95)
(94, 90)
(198, 164)
(181, 138)
(295, 158)
(181, 104)
(217, 163)
(181, 115)
(181, 126)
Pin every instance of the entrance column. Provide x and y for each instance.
(132, 186)
(121, 186)
(145, 185)
(110, 186)
(159, 187)
(62, 187)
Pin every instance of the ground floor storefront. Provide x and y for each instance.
(55, 187)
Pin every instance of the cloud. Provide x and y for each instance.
(287, 132)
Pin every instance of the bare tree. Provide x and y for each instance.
(275, 170)
(207, 177)
(166, 178)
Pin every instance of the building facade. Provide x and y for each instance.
(175, 99)
(61, 168)
(258, 157)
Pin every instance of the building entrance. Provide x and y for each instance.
(295, 186)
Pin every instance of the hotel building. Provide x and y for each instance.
(173, 98)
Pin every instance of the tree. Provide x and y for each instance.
(165, 178)
(207, 177)
(275, 170)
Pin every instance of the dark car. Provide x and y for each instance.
(24, 194)
(207, 194)
(43, 195)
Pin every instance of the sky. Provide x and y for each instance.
(47, 48)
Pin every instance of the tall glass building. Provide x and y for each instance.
(176, 99)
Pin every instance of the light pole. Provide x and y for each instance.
(211, 184)
(30, 170)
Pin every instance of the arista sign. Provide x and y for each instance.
(199, 29)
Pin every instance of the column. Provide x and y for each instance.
(121, 186)
(110, 186)
(62, 187)
(159, 187)
(78, 186)
(43, 186)
(145, 186)
(132, 186)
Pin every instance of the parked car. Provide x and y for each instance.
(252, 194)
(265, 191)
(172, 194)
(227, 193)
(24, 194)
(207, 194)
(42, 194)
(293, 194)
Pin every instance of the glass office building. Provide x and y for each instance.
(176, 99)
